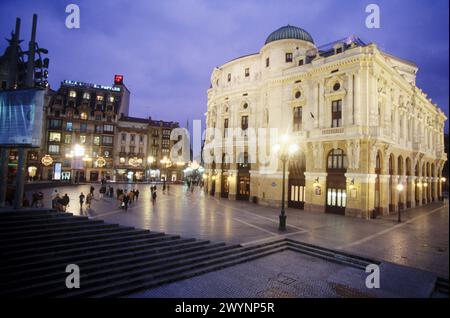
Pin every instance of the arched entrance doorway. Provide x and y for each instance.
(400, 173)
(378, 165)
(433, 183)
(296, 182)
(243, 178)
(336, 182)
(212, 192)
(391, 183)
(224, 182)
(408, 183)
(416, 185)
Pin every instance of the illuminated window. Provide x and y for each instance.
(108, 128)
(107, 140)
(86, 95)
(53, 149)
(100, 98)
(82, 139)
(96, 140)
(72, 94)
(68, 139)
(111, 99)
(69, 126)
(84, 116)
(55, 137)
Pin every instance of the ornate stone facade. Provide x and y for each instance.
(362, 126)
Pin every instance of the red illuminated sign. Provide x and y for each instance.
(118, 79)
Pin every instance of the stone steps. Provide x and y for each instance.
(113, 260)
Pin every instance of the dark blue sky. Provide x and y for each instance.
(167, 49)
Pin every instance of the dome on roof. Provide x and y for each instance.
(289, 32)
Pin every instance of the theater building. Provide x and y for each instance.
(370, 141)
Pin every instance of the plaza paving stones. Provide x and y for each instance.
(420, 241)
(289, 274)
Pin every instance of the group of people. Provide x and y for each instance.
(60, 203)
(126, 198)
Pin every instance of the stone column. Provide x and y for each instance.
(411, 199)
(315, 194)
(357, 99)
(384, 194)
(394, 193)
(232, 184)
(402, 194)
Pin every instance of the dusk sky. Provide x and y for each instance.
(167, 49)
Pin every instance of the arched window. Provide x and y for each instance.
(378, 164)
(84, 116)
(337, 159)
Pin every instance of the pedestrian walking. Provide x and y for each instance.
(81, 197)
(65, 202)
(154, 196)
(89, 200)
(53, 198)
(125, 202)
(136, 194)
(91, 191)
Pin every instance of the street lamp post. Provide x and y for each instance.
(285, 150)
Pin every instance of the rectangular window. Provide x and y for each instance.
(72, 94)
(98, 117)
(225, 128)
(244, 125)
(141, 150)
(336, 113)
(141, 138)
(86, 96)
(267, 62)
(96, 140)
(68, 139)
(124, 137)
(98, 129)
(132, 138)
(288, 57)
(69, 126)
(247, 72)
(166, 133)
(107, 140)
(165, 143)
(108, 128)
(83, 127)
(82, 139)
(54, 137)
(298, 114)
(53, 149)
(55, 124)
(229, 77)
(132, 149)
(301, 62)
(100, 98)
